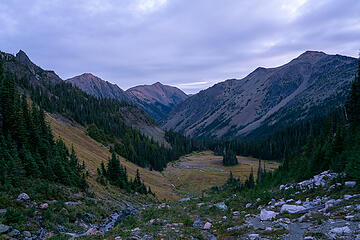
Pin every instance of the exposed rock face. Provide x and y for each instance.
(267, 97)
(23, 67)
(97, 87)
(157, 99)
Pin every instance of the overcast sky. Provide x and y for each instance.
(191, 44)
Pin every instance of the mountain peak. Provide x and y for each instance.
(158, 84)
(310, 53)
(23, 58)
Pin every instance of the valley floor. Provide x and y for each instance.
(199, 171)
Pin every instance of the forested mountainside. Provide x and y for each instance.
(156, 100)
(115, 120)
(267, 99)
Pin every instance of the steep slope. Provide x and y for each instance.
(32, 75)
(97, 87)
(93, 153)
(312, 83)
(157, 99)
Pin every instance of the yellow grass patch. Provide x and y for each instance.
(198, 171)
(93, 153)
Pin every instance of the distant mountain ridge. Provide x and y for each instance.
(157, 99)
(311, 83)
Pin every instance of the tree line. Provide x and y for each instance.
(27, 145)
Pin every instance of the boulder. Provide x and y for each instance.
(236, 213)
(23, 197)
(92, 232)
(26, 234)
(207, 226)
(198, 223)
(14, 233)
(254, 236)
(341, 230)
(4, 228)
(291, 208)
(350, 184)
(267, 215)
(44, 206)
(221, 205)
(184, 199)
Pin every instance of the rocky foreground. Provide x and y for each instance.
(324, 207)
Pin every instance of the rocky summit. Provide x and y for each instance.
(267, 98)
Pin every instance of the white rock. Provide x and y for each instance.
(23, 197)
(258, 199)
(280, 202)
(254, 236)
(44, 206)
(184, 199)
(92, 232)
(248, 205)
(309, 238)
(136, 229)
(236, 213)
(207, 226)
(347, 197)
(341, 230)
(267, 215)
(118, 238)
(350, 184)
(298, 202)
(221, 205)
(291, 208)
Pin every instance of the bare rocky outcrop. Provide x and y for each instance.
(312, 83)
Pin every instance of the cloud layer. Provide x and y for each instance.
(189, 44)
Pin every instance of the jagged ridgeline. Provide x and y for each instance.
(111, 116)
(27, 145)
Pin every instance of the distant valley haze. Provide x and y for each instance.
(190, 45)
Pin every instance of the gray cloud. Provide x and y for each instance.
(190, 44)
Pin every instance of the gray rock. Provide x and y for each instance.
(341, 230)
(291, 208)
(4, 228)
(23, 197)
(184, 199)
(26, 234)
(254, 236)
(3, 211)
(198, 223)
(44, 206)
(221, 205)
(14, 233)
(267, 215)
(207, 226)
(350, 184)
